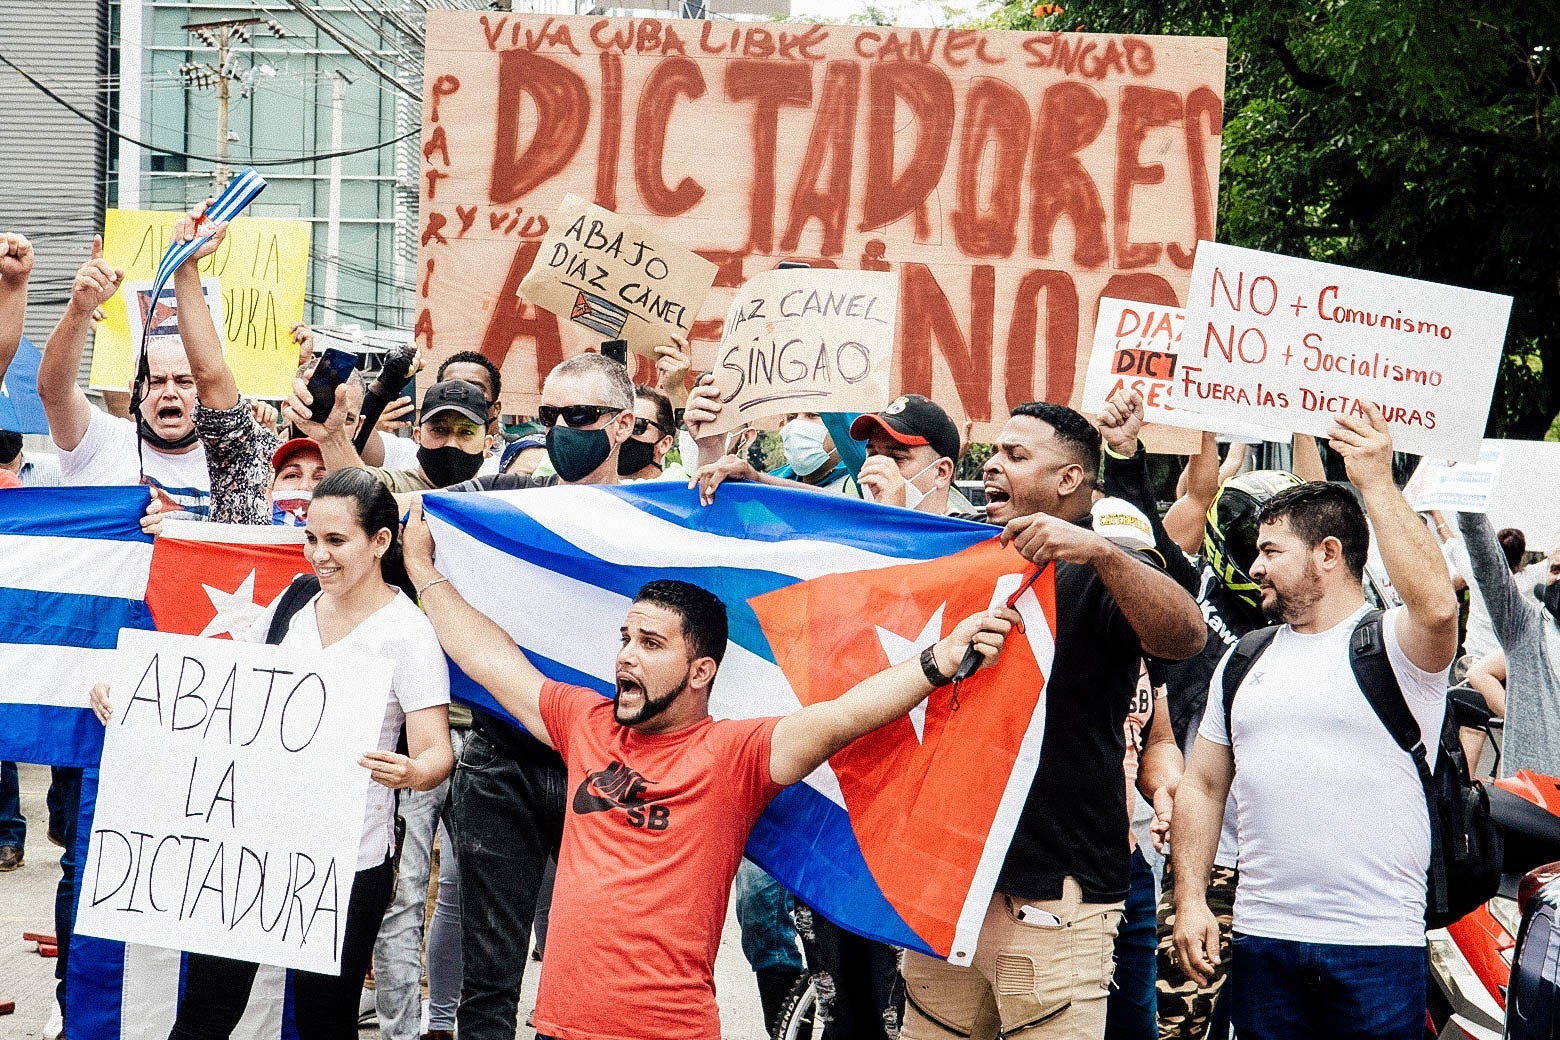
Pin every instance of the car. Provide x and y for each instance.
(1533, 995)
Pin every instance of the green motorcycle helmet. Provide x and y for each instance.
(1230, 535)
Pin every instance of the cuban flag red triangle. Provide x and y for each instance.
(906, 784)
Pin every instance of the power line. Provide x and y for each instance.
(105, 128)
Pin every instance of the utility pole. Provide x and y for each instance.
(338, 95)
(222, 35)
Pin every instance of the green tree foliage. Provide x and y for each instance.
(1415, 138)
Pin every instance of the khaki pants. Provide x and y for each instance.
(1027, 981)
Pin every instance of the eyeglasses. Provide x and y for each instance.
(576, 416)
(641, 425)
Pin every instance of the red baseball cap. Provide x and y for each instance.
(290, 448)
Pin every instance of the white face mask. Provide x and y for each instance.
(914, 496)
(803, 442)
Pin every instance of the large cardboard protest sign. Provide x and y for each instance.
(262, 268)
(1291, 343)
(806, 341)
(1137, 348)
(615, 279)
(1008, 179)
(230, 802)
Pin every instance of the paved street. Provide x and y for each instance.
(27, 904)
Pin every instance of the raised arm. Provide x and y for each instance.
(1189, 512)
(1194, 839)
(16, 263)
(334, 435)
(1168, 623)
(471, 638)
(1427, 628)
(1126, 477)
(804, 740)
(64, 403)
(215, 386)
(1513, 617)
(1305, 458)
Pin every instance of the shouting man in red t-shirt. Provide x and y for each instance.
(662, 796)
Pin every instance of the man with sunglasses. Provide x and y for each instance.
(643, 455)
(507, 793)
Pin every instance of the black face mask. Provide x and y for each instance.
(635, 455)
(1549, 595)
(576, 454)
(448, 465)
(159, 444)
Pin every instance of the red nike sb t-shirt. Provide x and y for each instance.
(653, 831)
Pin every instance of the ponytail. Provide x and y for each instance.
(375, 509)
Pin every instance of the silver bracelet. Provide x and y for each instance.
(424, 590)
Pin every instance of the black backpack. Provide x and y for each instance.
(1465, 846)
(302, 589)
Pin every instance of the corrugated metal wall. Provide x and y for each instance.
(52, 162)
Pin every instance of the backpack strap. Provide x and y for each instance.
(302, 589)
(1373, 671)
(1245, 654)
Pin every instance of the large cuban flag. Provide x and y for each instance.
(900, 837)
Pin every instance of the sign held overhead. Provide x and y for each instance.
(1291, 343)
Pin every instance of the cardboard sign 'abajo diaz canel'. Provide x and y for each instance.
(1008, 179)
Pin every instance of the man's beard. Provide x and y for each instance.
(1296, 607)
(651, 707)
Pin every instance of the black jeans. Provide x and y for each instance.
(867, 998)
(325, 1007)
(65, 796)
(507, 813)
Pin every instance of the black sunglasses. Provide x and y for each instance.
(576, 416)
(641, 425)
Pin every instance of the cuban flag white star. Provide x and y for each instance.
(237, 611)
(899, 649)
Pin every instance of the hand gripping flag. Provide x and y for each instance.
(901, 835)
(239, 193)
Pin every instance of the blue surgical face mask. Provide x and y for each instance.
(803, 442)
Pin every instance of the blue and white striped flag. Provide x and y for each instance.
(73, 571)
(240, 192)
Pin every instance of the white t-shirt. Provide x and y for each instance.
(106, 456)
(401, 633)
(1334, 833)
(400, 452)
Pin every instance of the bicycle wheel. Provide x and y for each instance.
(799, 1018)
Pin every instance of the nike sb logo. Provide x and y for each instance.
(619, 787)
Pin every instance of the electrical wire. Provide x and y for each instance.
(104, 127)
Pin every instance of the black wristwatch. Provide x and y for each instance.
(929, 668)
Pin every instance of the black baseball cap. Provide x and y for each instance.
(912, 420)
(455, 395)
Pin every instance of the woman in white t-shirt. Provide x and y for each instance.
(365, 605)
